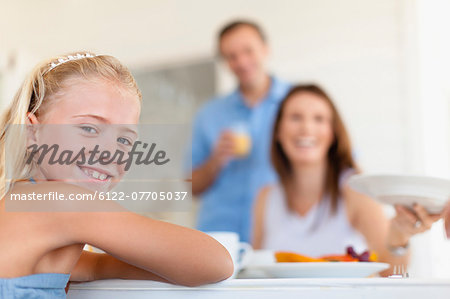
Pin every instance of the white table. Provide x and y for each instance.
(367, 288)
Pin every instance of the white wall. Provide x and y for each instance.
(367, 54)
(353, 48)
(433, 86)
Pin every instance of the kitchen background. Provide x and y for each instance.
(386, 63)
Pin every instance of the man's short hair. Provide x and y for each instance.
(240, 23)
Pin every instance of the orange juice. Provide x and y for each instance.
(242, 144)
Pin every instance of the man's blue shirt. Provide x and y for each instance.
(227, 204)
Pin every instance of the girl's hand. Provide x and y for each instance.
(409, 222)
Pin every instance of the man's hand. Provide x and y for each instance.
(224, 149)
(205, 175)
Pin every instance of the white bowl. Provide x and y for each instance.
(432, 193)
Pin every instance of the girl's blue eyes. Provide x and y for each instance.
(319, 119)
(92, 130)
(124, 141)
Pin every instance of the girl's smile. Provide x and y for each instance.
(88, 115)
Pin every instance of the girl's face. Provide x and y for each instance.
(305, 132)
(87, 114)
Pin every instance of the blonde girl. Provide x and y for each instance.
(41, 251)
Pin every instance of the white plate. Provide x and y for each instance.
(432, 193)
(320, 270)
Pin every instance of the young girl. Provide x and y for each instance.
(312, 211)
(41, 251)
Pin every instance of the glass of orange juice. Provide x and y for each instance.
(242, 140)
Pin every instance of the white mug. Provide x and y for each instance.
(240, 252)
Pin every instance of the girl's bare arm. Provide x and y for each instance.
(167, 251)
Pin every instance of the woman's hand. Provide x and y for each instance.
(409, 222)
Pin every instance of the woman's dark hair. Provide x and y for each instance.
(339, 156)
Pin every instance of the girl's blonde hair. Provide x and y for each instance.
(46, 79)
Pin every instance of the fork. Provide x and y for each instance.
(400, 271)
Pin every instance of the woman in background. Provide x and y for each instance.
(312, 211)
(71, 101)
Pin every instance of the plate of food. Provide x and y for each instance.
(432, 193)
(295, 265)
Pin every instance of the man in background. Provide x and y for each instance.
(231, 134)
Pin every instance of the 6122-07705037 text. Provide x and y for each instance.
(112, 195)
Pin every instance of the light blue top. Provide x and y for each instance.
(226, 205)
(42, 286)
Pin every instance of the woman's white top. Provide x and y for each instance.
(319, 232)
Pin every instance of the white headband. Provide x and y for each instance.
(69, 58)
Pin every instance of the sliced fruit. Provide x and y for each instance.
(373, 257)
(351, 256)
(340, 258)
(290, 257)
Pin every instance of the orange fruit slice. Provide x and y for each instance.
(290, 257)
